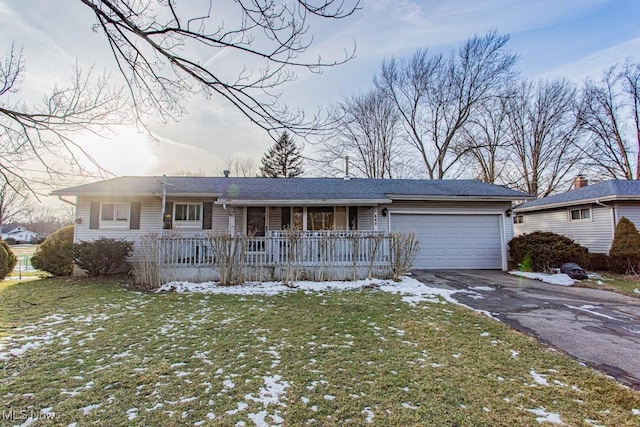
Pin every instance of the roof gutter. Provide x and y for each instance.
(595, 200)
(430, 198)
(66, 201)
(306, 202)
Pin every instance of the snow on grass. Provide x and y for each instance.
(369, 415)
(87, 409)
(413, 291)
(539, 378)
(559, 279)
(546, 417)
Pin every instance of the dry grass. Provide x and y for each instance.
(339, 358)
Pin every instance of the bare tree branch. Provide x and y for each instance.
(154, 44)
(609, 112)
(436, 96)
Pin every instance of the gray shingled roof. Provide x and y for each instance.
(294, 188)
(603, 191)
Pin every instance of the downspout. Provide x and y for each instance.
(67, 201)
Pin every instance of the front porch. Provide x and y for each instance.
(286, 255)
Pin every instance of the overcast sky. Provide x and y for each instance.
(556, 38)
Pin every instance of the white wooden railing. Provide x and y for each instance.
(280, 248)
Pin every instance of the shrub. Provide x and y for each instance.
(596, 261)
(7, 259)
(55, 254)
(544, 251)
(11, 241)
(624, 255)
(103, 256)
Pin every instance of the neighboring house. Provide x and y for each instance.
(18, 233)
(459, 223)
(588, 214)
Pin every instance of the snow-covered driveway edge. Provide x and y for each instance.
(559, 279)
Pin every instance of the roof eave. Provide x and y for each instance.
(306, 202)
(429, 198)
(591, 200)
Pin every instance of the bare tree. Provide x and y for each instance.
(484, 141)
(367, 129)
(543, 136)
(35, 142)
(44, 221)
(155, 45)
(240, 166)
(436, 95)
(610, 112)
(12, 202)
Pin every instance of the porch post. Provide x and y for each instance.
(375, 218)
(232, 221)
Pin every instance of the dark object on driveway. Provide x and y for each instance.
(573, 270)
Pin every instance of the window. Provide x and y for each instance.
(340, 218)
(114, 214)
(580, 214)
(256, 221)
(188, 212)
(320, 218)
(518, 219)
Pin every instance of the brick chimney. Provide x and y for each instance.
(580, 182)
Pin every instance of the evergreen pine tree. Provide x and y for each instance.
(283, 160)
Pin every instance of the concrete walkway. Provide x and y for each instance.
(599, 328)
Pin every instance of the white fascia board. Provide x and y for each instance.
(303, 202)
(457, 198)
(579, 202)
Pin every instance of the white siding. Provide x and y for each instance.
(219, 219)
(240, 225)
(365, 218)
(150, 220)
(629, 210)
(275, 218)
(596, 234)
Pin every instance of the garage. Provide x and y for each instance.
(454, 241)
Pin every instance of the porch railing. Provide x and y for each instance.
(281, 248)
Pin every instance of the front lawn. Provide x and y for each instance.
(95, 353)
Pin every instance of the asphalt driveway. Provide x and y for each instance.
(599, 328)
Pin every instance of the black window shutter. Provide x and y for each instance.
(286, 218)
(353, 217)
(168, 215)
(134, 220)
(207, 212)
(94, 216)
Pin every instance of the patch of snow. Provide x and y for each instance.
(86, 409)
(636, 291)
(635, 412)
(408, 406)
(539, 378)
(560, 279)
(514, 354)
(369, 415)
(485, 334)
(482, 288)
(546, 417)
(241, 407)
(413, 292)
(132, 414)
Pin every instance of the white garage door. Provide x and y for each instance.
(454, 241)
